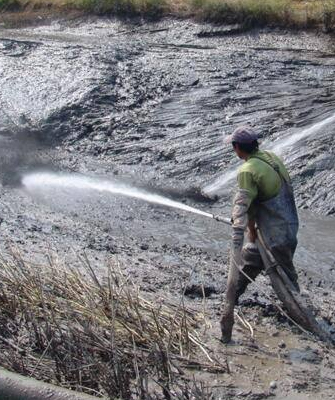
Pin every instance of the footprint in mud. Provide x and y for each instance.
(200, 291)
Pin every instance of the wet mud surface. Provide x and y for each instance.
(149, 105)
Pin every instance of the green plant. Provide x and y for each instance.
(129, 7)
(328, 15)
(9, 4)
(261, 12)
(214, 10)
(248, 12)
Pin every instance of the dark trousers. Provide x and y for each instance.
(253, 266)
(238, 282)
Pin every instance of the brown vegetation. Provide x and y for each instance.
(292, 13)
(67, 327)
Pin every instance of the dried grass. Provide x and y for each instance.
(293, 13)
(64, 326)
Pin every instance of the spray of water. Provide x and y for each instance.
(278, 147)
(44, 180)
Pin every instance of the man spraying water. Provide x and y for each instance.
(264, 200)
(264, 203)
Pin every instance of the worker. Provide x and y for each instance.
(264, 200)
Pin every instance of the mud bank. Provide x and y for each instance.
(149, 105)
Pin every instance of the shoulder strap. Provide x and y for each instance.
(272, 165)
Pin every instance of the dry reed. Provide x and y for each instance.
(64, 326)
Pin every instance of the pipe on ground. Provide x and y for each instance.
(17, 387)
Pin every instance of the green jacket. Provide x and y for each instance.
(260, 180)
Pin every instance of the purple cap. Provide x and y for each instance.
(242, 134)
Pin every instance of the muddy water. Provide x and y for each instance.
(149, 105)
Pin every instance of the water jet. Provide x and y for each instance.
(43, 180)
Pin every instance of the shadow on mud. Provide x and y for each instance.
(21, 150)
(183, 194)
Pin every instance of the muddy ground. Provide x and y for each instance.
(149, 104)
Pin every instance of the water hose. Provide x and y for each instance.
(17, 387)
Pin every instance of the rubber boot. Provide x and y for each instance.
(227, 319)
(236, 286)
(227, 323)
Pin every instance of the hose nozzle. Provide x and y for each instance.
(225, 220)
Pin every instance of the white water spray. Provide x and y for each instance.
(281, 144)
(278, 147)
(44, 180)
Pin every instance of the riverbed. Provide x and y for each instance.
(149, 105)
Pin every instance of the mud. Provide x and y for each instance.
(149, 105)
